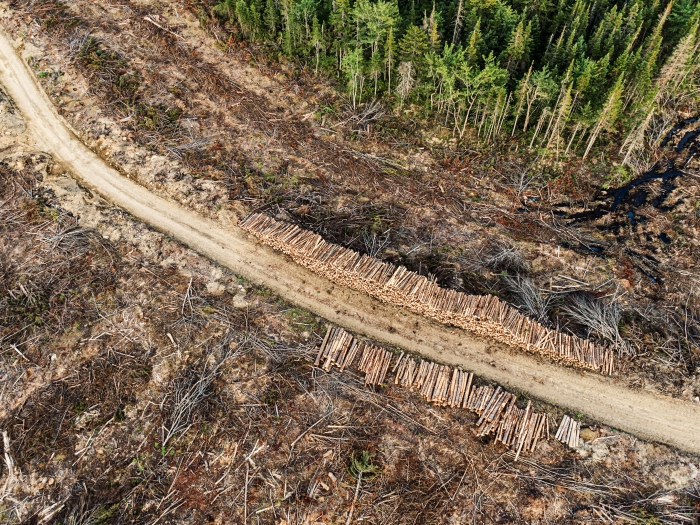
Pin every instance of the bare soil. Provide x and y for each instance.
(107, 323)
(111, 325)
(642, 413)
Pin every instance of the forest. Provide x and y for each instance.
(562, 76)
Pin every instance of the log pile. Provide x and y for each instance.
(375, 364)
(339, 348)
(518, 429)
(569, 431)
(484, 315)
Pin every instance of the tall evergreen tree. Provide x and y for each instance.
(317, 40)
(517, 54)
(413, 46)
(271, 18)
(389, 55)
(339, 21)
(474, 46)
(608, 113)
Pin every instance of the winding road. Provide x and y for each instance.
(642, 413)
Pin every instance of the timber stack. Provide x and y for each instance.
(484, 315)
(569, 431)
(499, 416)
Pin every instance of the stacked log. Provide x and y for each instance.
(519, 429)
(483, 315)
(375, 364)
(568, 432)
(338, 348)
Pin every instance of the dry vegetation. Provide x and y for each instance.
(142, 384)
(138, 390)
(177, 103)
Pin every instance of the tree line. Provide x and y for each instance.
(559, 74)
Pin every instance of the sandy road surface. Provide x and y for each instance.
(641, 413)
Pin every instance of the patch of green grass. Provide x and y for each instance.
(80, 407)
(618, 176)
(271, 397)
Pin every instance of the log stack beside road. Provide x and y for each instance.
(483, 315)
(568, 432)
(519, 429)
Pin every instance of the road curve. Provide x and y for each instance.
(644, 414)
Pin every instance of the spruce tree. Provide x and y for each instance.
(474, 47)
(413, 46)
(389, 54)
(608, 114)
(317, 40)
(517, 54)
(271, 19)
(339, 21)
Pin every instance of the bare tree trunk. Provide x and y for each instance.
(530, 102)
(458, 24)
(539, 126)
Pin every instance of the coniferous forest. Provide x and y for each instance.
(562, 75)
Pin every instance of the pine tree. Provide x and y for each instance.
(255, 12)
(521, 97)
(518, 51)
(482, 89)
(339, 21)
(389, 54)
(612, 25)
(271, 19)
(373, 20)
(304, 11)
(413, 46)
(352, 67)
(430, 26)
(562, 109)
(585, 80)
(317, 40)
(243, 17)
(541, 88)
(474, 47)
(647, 57)
(608, 114)
(676, 69)
(226, 8)
(289, 28)
(680, 19)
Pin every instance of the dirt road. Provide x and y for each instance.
(641, 413)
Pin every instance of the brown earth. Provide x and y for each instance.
(642, 413)
(110, 322)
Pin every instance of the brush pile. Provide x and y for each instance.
(518, 429)
(484, 315)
